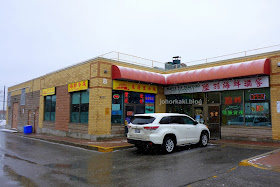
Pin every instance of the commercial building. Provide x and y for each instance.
(234, 97)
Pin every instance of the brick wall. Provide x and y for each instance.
(31, 104)
(275, 96)
(62, 112)
(118, 130)
(49, 125)
(246, 132)
(78, 127)
(160, 96)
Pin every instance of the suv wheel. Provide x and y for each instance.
(168, 145)
(203, 139)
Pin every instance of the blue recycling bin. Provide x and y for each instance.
(27, 129)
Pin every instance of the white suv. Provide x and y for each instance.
(166, 130)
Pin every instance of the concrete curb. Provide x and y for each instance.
(247, 162)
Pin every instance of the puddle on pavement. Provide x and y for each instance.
(22, 180)
(66, 166)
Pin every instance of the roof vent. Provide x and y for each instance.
(176, 63)
(176, 60)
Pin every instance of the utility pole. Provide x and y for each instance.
(4, 104)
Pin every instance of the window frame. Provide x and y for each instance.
(80, 106)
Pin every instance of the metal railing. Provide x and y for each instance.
(161, 65)
(235, 55)
(133, 59)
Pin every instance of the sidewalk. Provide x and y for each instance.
(268, 161)
(101, 146)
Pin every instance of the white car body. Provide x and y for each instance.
(184, 133)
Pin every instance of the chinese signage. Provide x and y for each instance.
(83, 85)
(149, 103)
(49, 91)
(134, 87)
(149, 98)
(230, 112)
(232, 100)
(235, 84)
(232, 105)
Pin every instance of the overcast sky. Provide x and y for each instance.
(38, 37)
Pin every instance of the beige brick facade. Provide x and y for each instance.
(99, 73)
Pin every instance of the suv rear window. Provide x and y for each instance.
(140, 120)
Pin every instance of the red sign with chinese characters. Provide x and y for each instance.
(232, 100)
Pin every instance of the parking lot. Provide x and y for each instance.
(26, 161)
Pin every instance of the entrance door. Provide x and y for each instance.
(15, 115)
(214, 122)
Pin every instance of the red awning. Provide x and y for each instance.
(256, 67)
(119, 72)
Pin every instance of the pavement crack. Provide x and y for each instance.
(17, 158)
(215, 176)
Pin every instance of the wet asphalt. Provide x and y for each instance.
(30, 162)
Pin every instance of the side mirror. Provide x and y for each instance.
(195, 122)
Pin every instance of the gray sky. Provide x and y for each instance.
(37, 37)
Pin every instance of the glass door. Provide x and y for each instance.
(213, 121)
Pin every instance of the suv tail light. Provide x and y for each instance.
(151, 128)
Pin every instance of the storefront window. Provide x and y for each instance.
(126, 104)
(198, 98)
(257, 107)
(232, 108)
(79, 107)
(180, 104)
(133, 98)
(49, 112)
(213, 97)
(117, 107)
